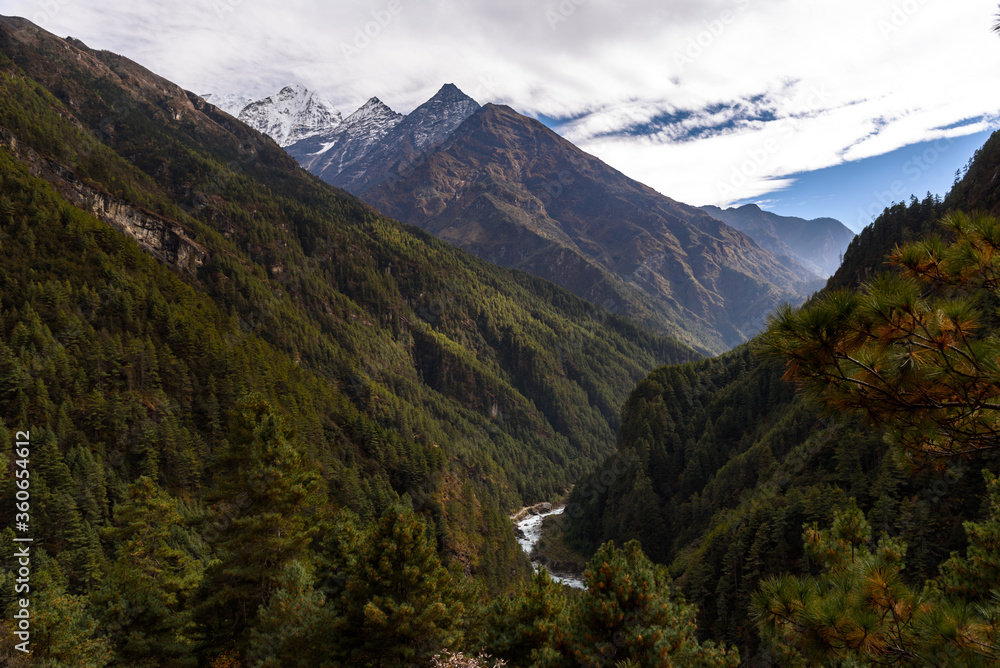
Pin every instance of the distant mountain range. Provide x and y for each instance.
(404, 146)
(291, 115)
(328, 154)
(818, 245)
(508, 189)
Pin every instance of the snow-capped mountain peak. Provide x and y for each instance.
(436, 118)
(230, 103)
(292, 114)
(328, 153)
(372, 109)
(353, 152)
(426, 126)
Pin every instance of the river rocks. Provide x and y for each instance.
(528, 527)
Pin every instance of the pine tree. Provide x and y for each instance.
(916, 349)
(860, 609)
(291, 630)
(144, 602)
(517, 628)
(399, 604)
(977, 573)
(628, 614)
(268, 498)
(65, 633)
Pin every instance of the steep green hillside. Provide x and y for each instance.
(161, 261)
(721, 462)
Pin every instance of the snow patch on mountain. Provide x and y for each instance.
(437, 118)
(426, 126)
(230, 103)
(292, 114)
(329, 153)
(355, 152)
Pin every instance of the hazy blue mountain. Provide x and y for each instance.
(817, 244)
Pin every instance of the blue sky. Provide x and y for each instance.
(809, 107)
(856, 192)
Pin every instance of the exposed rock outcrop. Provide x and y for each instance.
(162, 238)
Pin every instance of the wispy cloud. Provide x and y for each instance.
(707, 101)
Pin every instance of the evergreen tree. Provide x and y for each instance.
(628, 614)
(399, 604)
(916, 349)
(144, 602)
(976, 574)
(291, 628)
(268, 498)
(517, 628)
(860, 609)
(65, 633)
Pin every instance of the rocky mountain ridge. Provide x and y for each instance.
(817, 244)
(329, 153)
(511, 191)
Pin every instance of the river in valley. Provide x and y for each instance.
(530, 532)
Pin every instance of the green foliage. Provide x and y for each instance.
(898, 224)
(977, 573)
(923, 362)
(65, 633)
(519, 627)
(145, 601)
(267, 511)
(399, 370)
(628, 614)
(861, 609)
(737, 462)
(400, 604)
(289, 627)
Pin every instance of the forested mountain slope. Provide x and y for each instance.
(512, 191)
(162, 262)
(721, 462)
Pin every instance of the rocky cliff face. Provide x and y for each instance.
(164, 239)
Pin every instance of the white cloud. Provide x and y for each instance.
(891, 72)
